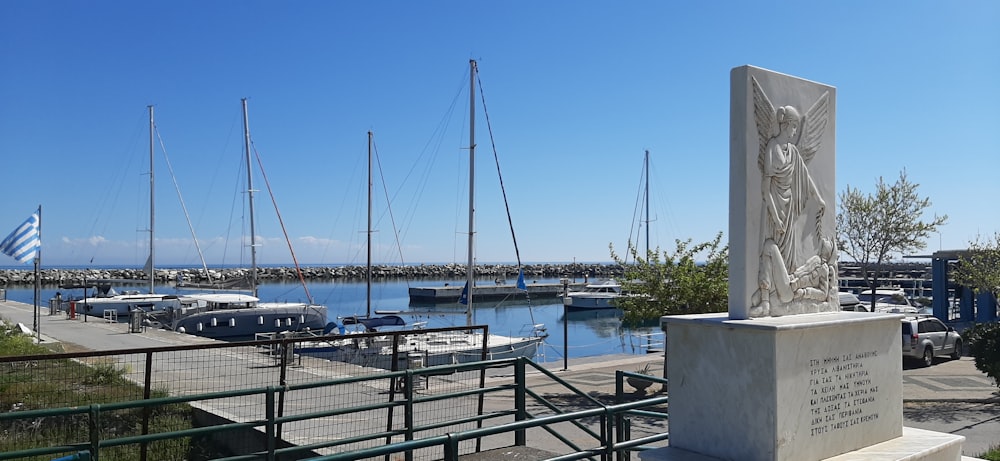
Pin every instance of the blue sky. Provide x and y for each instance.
(575, 91)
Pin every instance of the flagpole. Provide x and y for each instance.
(38, 278)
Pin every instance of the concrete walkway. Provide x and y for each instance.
(951, 396)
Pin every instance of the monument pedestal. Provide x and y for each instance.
(797, 388)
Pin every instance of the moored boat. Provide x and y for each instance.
(115, 306)
(436, 347)
(109, 304)
(600, 295)
(241, 315)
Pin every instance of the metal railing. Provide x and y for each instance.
(417, 424)
(648, 342)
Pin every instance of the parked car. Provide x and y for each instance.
(927, 337)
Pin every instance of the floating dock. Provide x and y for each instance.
(450, 293)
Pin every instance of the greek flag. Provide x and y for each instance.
(520, 281)
(23, 244)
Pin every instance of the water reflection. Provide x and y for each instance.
(587, 332)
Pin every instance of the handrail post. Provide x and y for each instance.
(408, 416)
(282, 377)
(147, 392)
(269, 425)
(619, 418)
(481, 405)
(95, 433)
(520, 405)
(451, 448)
(390, 411)
(607, 437)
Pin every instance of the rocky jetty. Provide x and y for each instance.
(892, 273)
(15, 277)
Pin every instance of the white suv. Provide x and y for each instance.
(926, 337)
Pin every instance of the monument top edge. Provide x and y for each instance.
(787, 322)
(754, 68)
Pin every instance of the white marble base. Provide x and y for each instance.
(913, 445)
(796, 388)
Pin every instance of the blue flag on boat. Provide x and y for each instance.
(24, 242)
(520, 280)
(464, 297)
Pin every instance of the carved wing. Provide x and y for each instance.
(766, 119)
(813, 127)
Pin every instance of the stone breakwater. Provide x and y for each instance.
(508, 273)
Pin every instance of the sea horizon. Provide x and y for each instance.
(29, 267)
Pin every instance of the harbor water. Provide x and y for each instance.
(587, 333)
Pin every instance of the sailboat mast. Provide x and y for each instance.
(368, 266)
(152, 202)
(253, 232)
(470, 269)
(646, 169)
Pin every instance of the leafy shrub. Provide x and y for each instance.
(984, 345)
(992, 455)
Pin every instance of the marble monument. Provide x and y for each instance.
(785, 375)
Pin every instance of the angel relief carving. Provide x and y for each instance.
(796, 274)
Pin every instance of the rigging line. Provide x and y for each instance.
(503, 190)
(392, 218)
(110, 198)
(661, 204)
(180, 197)
(298, 270)
(236, 198)
(636, 213)
(431, 148)
(223, 165)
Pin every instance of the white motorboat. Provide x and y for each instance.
(600, 295)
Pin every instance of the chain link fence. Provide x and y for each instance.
(81, 379)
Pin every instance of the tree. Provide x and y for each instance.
(872, 227)
(665, 283)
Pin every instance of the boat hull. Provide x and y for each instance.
(245, 323)
(121, 307)
(451, 293)
(420, 350)
(589, 302)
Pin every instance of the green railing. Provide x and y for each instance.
(613, 436)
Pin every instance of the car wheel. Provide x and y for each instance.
(928, 358)
(958, 350)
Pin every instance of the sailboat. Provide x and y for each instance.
(367, 322)
(435, 347)
(498, 346)
(112, 305)
(602, 294)
(242, 315)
